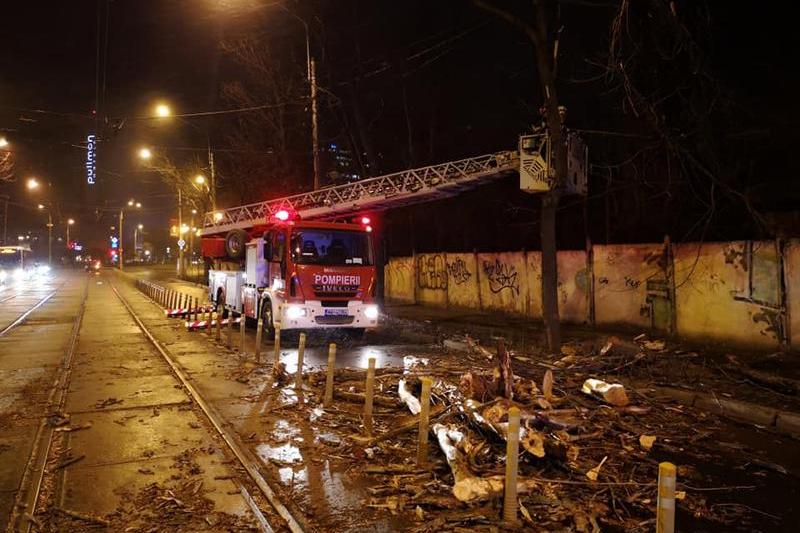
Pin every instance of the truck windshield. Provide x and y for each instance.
(331, 247)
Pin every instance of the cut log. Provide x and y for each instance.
(409, 399)
(467, 487)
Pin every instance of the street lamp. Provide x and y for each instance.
(32, 184)
(70, 222)
(131, 203)
(145, 153)
(136, 231)
(3, 142)
(163, 111)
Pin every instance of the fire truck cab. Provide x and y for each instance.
(296, 274)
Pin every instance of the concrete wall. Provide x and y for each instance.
(713, 297)
(621, 273)
(791, 276)
(731, 292)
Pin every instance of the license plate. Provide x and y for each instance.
(336, 312)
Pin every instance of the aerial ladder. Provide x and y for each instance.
(532, 160)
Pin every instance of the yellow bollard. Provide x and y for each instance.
(242, 325)
(219, 323)
(424, 415)
(301, 350)
(369, 391)
(277, 347)
(510, 502)
(209, 317)
(196, 308)
(259, 333)
(665, 512)
(328, 398)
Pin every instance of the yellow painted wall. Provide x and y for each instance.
(573, 286)
(621, 272)
(791, 257)
(708, 279)
(462, 281)
(503, 282)
(399, 279)
(431, 270)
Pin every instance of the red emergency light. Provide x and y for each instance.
(282, 215)
(365, 221)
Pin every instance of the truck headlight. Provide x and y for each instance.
(371, 312)
(293, 312)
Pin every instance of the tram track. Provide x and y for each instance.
(22, 317)
(34, 473)
(242, 454)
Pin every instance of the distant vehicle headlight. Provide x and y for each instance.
(293, 312)
(371, 312)
(42, 269)
(19, 274)
(3, 275)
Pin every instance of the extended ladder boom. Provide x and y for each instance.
(378, 193)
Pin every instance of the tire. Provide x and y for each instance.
(269, 323)
(235, 243)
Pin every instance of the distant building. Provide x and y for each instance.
(343, 168)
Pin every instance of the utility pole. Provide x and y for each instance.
(49, 236)
(181, 268)
(312, 69)
(121, 261)
(213, 188)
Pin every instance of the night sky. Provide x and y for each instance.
(468, 77)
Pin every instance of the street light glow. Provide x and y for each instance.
(200, 179)
(141, 226)
(145, 153)
(130, 203)
(40, 206)
(218, 216)
(71, 221)
(32, 184)
(138, 204)
(3, 142)
(163, 111)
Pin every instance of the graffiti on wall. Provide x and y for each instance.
(432, 272)
(501, 276)
(458, 271)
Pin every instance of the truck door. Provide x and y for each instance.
(276, 262)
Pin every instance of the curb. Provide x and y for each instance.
(785, 422)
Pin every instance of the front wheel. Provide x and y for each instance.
(269, 324)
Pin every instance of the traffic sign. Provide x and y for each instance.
(181, 243)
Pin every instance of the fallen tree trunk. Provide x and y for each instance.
(469, 488)
(360, 397)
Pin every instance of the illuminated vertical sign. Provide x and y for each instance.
(90, 159)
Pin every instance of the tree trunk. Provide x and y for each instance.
(550, 272)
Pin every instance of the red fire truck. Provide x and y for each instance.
(296, 274)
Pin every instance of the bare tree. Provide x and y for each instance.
(536, 23)
(271, 140)
(6, 165)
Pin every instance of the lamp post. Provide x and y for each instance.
(131, 203)
(49, 232)
(136, 240)
(70, 222)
